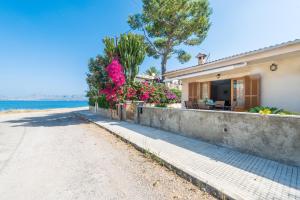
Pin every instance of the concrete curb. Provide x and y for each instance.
(201, 184)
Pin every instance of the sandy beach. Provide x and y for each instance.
(20, 111)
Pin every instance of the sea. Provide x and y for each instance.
(39, 105)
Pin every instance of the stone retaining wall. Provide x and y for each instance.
(109, 113)
(270, 136)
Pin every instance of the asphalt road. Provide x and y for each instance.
(55, 155)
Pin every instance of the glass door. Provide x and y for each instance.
(238, 93)
(205, 90)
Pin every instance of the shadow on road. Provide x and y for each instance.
(50, 120)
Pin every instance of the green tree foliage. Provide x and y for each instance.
(152, 71)
(110, 50)
(131, 50)
(96, 77)
(167, 24)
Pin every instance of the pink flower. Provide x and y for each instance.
(113, 89)
(145, 83)
(145, 96)
(115, 73)
(131, 92)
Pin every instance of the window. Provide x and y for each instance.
(205, 90)
(239, 92)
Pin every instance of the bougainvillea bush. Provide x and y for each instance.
(111, 83)
(113, 87)
(150, 92)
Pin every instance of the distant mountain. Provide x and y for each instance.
(40, 97)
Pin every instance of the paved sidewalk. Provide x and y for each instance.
(235, 174)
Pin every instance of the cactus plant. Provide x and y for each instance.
(132, 50)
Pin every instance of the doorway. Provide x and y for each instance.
(221, 91)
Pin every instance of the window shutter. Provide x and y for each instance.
(252, 91)
(255, 83)
(197, 91)
(194, 91)
(190, 91)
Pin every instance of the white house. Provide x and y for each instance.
(268, 76)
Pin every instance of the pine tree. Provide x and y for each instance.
(169, 24)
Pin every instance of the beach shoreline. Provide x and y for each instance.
(31, 106)
(24, 111)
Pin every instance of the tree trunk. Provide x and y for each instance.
(163, 66)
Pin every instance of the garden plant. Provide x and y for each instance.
(111, 77)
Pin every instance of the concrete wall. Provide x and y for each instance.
(126, 111)
(279, 88)
(109, 113)
(273, 137)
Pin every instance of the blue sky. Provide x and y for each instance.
(45, 44)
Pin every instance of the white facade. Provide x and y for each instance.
(279, 88)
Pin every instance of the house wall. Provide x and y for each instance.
(280, 88)
(262, 54)
(273, 136)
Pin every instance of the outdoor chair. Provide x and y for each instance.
(220, 105)
(195, 105)
(233, 106)
(188, 104)
(203, 106)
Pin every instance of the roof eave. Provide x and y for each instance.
(235, 57)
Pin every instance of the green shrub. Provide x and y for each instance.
(161, 105)
(285, 112)
(92, 101)
(178, 93)
(102, 102)
(271, 110)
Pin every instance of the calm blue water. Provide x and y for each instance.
(37, 105)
